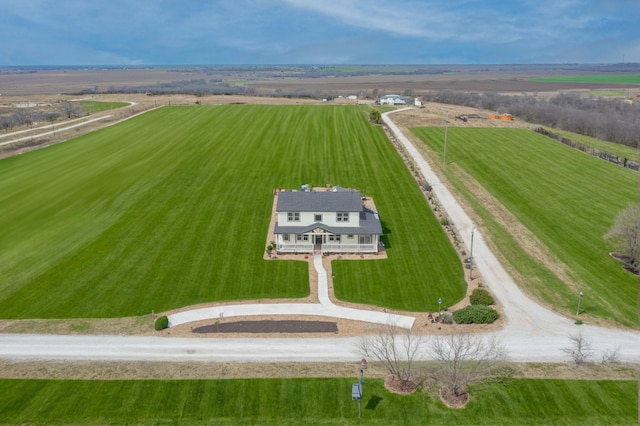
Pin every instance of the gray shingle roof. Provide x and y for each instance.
(339, 201)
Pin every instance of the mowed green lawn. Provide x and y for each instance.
(569, 199)
(311, 401)
(622, 151)
(98, 106)
(172, 208)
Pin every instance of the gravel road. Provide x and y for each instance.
(532, 332)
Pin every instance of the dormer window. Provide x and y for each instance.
(317, 217)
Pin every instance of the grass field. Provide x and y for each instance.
(567, 198)
(621, 151)
(171, 209)
(600, 78)
(310, 401)
(94, 106)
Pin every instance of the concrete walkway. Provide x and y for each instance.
(325, 308)
(532, 334)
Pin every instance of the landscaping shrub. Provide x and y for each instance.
(162, 322)
(475, 314)
(480, 296)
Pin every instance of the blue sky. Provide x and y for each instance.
(167, 32)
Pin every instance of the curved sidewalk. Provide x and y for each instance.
(325, 308)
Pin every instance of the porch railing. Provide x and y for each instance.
(349, 248)
(295, 248)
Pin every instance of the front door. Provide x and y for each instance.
(318, 238)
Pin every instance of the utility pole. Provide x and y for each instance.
(471, 256)
(446, 130)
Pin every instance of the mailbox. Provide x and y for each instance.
(356, 392)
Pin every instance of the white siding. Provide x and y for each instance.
(328, 218)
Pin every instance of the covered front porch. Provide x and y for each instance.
(325, 242)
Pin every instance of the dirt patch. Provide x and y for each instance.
(268, 326)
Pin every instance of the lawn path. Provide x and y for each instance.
(325, 308)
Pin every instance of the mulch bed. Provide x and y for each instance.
(270, 326)
(452, 400)
(625, 260)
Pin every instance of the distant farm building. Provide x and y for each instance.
(417, 102)
(393, 100)
(505, 117)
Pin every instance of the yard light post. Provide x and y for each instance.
(446, 130)
(356, 388)
(471, 256)
(363, 366)
(439, 304)
(580, 296)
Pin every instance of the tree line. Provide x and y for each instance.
(613, 120)
(29, 116)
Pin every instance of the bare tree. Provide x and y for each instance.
(396, 347)
(70, 109)
(579, 349)
(625, 233)
(610, 356)
(464, 359)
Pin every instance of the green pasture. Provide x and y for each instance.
(621, 151)
(172, 208)
(599, 78)
(567, 198)
(99, 106)
(311, 401)
(619, 93)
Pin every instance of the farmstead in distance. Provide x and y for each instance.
(337, 220)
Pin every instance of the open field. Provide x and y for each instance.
(602, 78)
(171, 209)
(97, 106)
(566, 201)
(621, 151)
(325, 80)
(311, 401)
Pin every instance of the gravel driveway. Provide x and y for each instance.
(532, 332)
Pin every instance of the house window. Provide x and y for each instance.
(318, 217)
(293, 217)
(350, 237)
(365, 239)
(302, 237)
(342, 217)
(335, 238)
(285, 237)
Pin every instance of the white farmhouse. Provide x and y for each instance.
(393, 100)
(333, 221)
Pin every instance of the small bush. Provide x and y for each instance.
(480, 296)
(475, 314)
(446, 319)
(162, 323)
(444, 221)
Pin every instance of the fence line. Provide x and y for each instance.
(623, 162)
